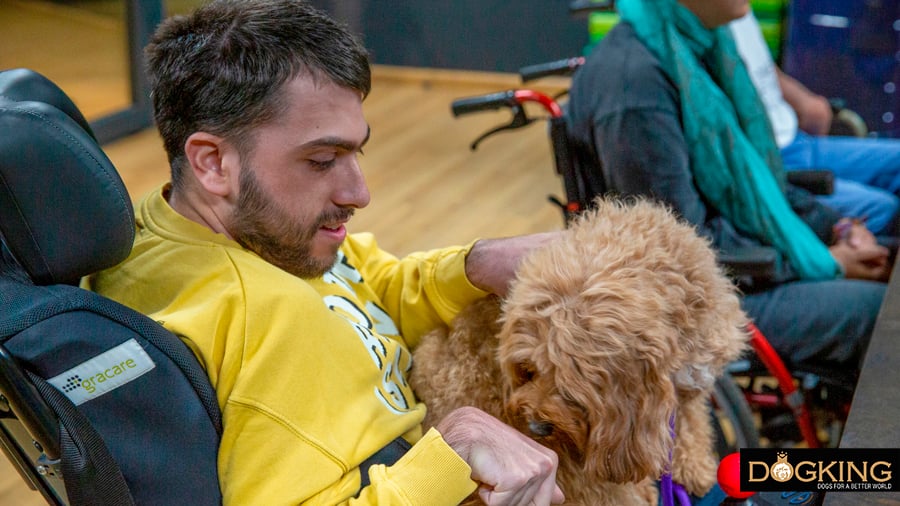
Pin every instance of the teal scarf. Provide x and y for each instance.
(734, 159)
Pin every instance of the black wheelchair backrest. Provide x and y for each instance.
(98, 403)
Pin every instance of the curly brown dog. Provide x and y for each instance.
(604, 336)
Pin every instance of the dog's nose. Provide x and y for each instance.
(540, 428)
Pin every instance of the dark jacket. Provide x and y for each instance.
(624, 118)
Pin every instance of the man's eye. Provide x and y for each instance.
(323, 164)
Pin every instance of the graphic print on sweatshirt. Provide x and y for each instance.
(371, 324)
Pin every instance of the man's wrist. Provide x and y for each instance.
(491, 263)
(456, 429)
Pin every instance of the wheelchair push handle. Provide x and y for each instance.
(513, 100)
(510, 99)
(489, 102)
(563, 67)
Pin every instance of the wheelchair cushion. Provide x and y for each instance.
(66, 212)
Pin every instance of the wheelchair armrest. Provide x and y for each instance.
(815, 181)
(755, 262)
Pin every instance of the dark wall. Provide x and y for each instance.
(849, 50)
(491, 35)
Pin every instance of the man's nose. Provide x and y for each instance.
(353, 190)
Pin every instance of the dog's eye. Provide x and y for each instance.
(540, 428)
(524, 373)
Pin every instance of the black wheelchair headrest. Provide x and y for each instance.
(64, 210)
(25, 84)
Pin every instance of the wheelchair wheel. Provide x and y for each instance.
(733, 421)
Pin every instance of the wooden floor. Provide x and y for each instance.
(428, 188)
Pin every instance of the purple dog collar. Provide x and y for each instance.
(669, 490)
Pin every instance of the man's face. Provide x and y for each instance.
(302, 182)
(715, 13)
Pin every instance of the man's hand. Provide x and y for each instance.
(510, 468)
(860, 255)
(491, 263)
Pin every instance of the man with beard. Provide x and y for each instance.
(304, 329)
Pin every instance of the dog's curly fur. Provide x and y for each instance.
(605, 334)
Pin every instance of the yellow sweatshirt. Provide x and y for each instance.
(309, 374)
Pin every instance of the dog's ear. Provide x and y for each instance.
(630, 438)
(624, 387)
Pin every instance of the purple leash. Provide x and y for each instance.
(669, 490)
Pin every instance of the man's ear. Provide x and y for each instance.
(213, 161)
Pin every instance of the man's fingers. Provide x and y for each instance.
(549, 493)
(558, 496)
(538, 491)
(873, 253)
(514, 497)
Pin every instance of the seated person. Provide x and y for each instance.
(664, 108)
(867, 170)
(304, 330)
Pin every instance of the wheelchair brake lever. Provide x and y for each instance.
(519, 120)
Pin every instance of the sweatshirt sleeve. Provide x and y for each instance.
(425, 473)
(420, 291)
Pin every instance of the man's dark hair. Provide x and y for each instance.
(221, 68)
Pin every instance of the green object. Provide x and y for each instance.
(771, 31)
(599, 23)
(770, 14)
(769, 9)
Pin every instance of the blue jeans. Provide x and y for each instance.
(818, 326)
(867, 173)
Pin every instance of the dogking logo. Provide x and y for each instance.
(781, 471)
(103, 373)
(812, 469)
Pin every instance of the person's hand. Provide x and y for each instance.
(491, 263)
(859, 236)
(860, 255)
(510, 468)
(815, 115)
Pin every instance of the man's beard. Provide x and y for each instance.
(261, 225)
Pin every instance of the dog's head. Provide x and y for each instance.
(607, 329)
